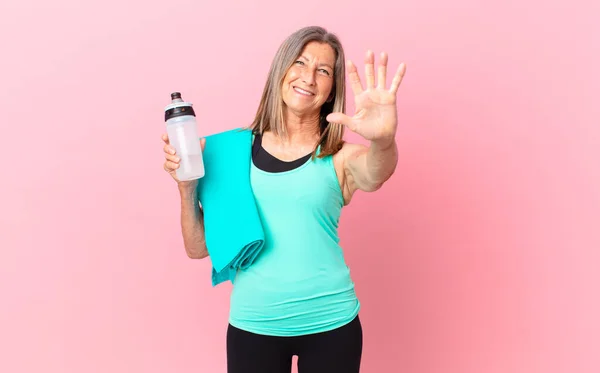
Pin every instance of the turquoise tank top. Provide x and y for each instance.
(300, 283)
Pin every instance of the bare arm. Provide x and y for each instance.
(368, 168)
(376, 120)
(192, 223)
(192, 219)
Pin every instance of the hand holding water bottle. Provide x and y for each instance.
(182, 140)
(172, 160)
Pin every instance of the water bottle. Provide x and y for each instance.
(183, 136)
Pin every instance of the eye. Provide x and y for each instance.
(325, 72)
(299, 62)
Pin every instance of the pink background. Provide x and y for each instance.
(480, 254)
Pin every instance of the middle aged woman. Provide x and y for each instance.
(298, 297)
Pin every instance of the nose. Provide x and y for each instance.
(308, 76)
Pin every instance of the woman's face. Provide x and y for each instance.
(307, 84)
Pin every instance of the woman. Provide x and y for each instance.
(298, 297)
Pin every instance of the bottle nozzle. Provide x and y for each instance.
(176, 97)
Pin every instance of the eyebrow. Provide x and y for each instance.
(322, 64)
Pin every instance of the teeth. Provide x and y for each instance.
(302, 91)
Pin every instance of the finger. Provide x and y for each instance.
(342, 118)
(169, 149)
(370, 69)
(354, 78)
(382, 70)
(171, 166)
(398, 78)
(202, 143)
(165, 138)
(172, 158)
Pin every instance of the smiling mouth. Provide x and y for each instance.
(303, 92)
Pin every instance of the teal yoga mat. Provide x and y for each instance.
(232, 227)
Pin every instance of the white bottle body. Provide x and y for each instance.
(183, 136)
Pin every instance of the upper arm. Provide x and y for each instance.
(353, 170)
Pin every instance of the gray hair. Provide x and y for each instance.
(269, 115)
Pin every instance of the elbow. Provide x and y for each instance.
(196, 254)
(375, 181)
(377, 186)
(374, 185)
(371, 187)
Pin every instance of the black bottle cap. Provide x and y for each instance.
(180, 108)
(179, 111)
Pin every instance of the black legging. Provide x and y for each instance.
(336, 351)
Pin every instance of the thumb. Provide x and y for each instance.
(342, 118)
(202, 143)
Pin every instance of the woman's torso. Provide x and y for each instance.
(300, 283)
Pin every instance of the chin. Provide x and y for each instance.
(301, 109)
(304, 108)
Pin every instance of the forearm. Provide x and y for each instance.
(192, 224)
(380, 162)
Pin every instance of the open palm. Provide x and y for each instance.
(376, 116)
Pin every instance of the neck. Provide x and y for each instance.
(301, 128)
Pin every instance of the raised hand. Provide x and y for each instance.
(375, 117)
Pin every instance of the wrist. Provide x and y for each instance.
(384, 144)
(187, 188)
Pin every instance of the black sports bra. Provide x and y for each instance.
(269, 163)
